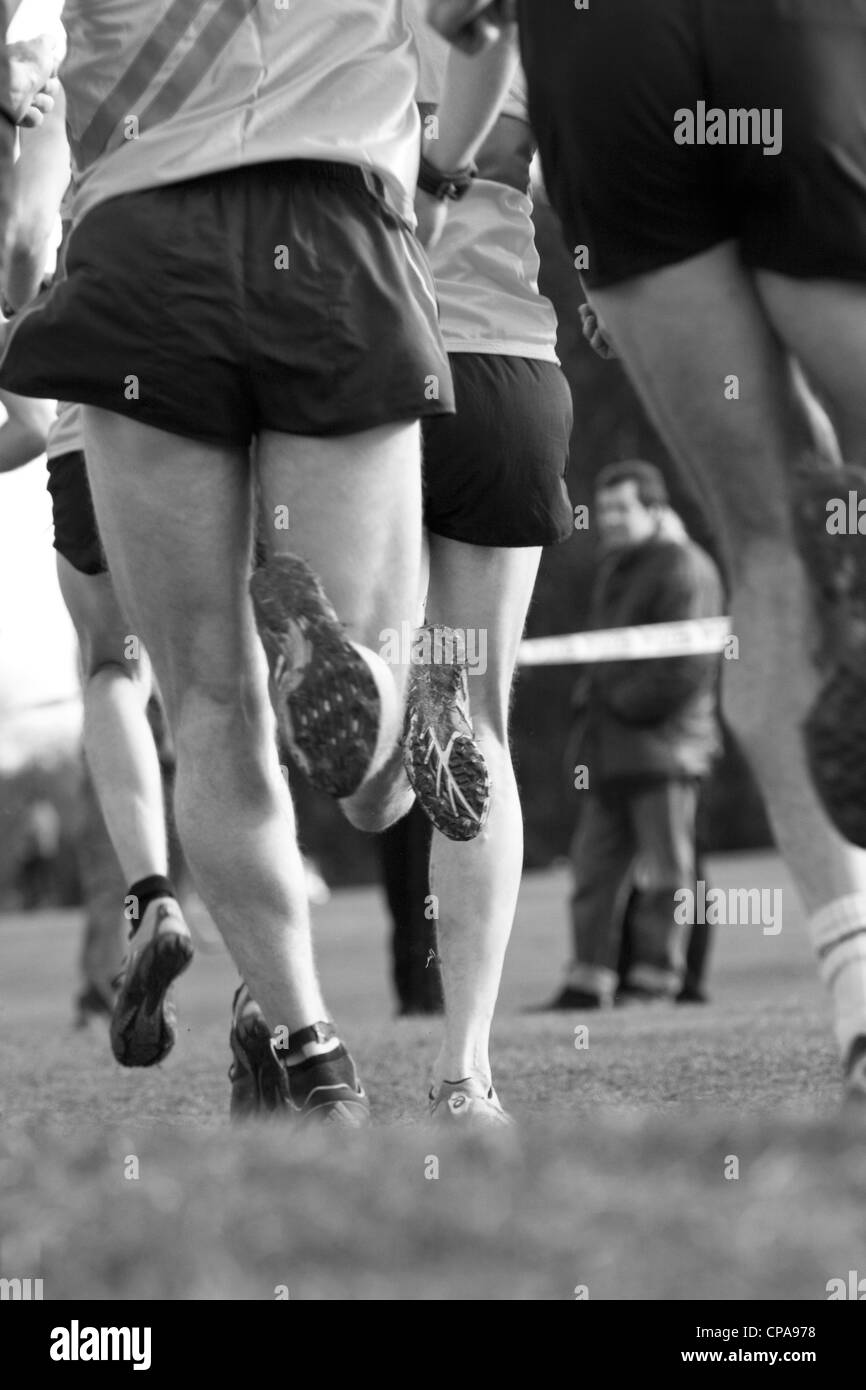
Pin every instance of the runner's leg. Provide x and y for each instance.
(746, 452)
(485, 590)
(354, 509)
(174, 517)
(118, 741)
(823, 322)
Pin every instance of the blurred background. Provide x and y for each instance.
(42, 806)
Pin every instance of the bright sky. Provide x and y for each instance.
(37, 644)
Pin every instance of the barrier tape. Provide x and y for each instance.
(692, 637)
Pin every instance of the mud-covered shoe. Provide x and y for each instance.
(327, 702)
(144, 1021)
(469, 1103)
(855, 1072)
(834, 730)
(443, 761)
(258, 1080)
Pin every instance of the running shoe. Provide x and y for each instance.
(627, 996)
(320, 1090)
(258, 1079)
(469, 1104)
(326, 699)
(443, 761)
(143, 1024)
(835, 727)
(324, 1089)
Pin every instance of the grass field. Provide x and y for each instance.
(615, 1178)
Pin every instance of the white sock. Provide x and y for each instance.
(391, 706)
(838, 934)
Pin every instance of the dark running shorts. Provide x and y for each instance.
(606, 83)
(284, 297)
(494, 473)
(75, 535)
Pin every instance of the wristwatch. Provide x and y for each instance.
(441, 184)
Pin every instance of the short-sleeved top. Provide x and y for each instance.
(486, 264)
(159, 91)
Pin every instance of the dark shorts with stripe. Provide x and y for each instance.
(76, 536)
(286, 297)
(494, 473)
(607, 85)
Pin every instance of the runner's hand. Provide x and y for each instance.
(431, 214)
(471, 25)
(32, 83)
(595, 332)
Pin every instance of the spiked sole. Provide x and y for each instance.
(327, 701)
(143, 1024)
(455, 817)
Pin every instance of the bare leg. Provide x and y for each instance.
(824, 323)
(174, 516)
(476, 882)
(681, 333)
(353, 508)
(118, 741)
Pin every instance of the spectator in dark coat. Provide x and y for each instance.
(648, 734)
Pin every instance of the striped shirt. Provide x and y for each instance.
(164, 90)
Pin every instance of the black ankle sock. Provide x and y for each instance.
(142, 894)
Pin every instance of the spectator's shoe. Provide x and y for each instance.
(628, 995)
(92, 1002)
(835, 727)
(691, 994)
(568, 999)
(467, 1104)
(258, 1080)
(327, 702)
(143, 1024)
(444, 764)
(855, 1072)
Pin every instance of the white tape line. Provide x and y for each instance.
(693, 637)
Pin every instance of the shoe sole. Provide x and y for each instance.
(834, 730)
(143, 1030)
(466, 767)
(327, 702)
(251, 1047)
